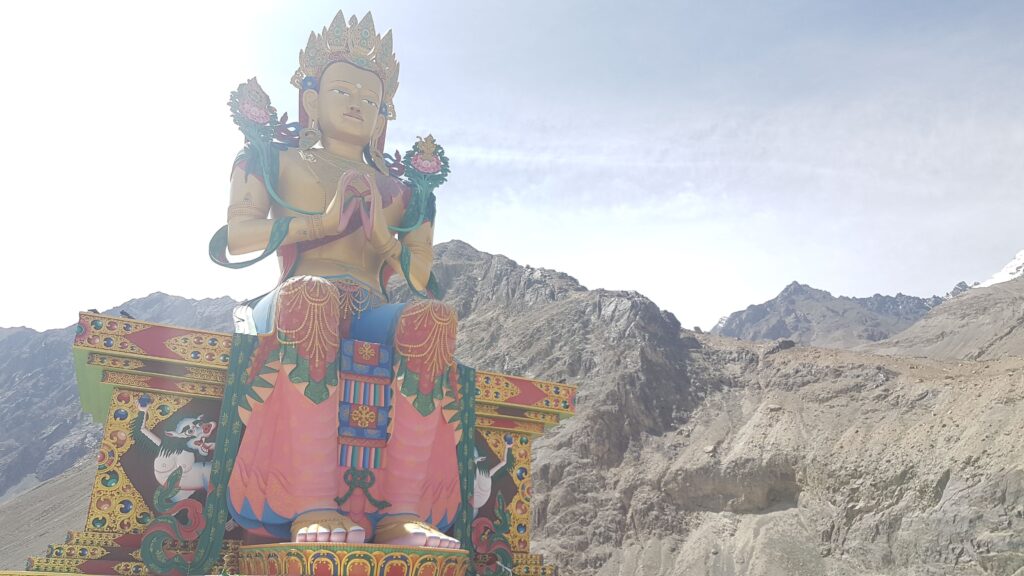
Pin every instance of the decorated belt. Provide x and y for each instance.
(356, 296)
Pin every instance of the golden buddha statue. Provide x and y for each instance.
(350, 433)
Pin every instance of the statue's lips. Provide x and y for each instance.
(353, 116)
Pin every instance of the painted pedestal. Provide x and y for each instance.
(178, 375)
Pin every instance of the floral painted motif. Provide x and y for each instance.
(426, 165)
(368, 352)
(363, 416)
(257, 119)
(254, 103)
(493, 553)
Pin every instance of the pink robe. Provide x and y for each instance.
(349, 410)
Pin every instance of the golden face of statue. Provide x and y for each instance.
(346, 108)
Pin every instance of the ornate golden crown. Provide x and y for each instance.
(356, 43)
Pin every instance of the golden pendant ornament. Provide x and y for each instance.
(309, 137)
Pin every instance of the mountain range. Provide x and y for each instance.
(815, 317)
(984, 323)
(690, 454)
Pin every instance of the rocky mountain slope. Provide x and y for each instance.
(45, 514)
(815, 317)
(697, 454)
(45, 431)
(801, 462)
(981, 324)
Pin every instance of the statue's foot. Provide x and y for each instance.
(326, 526)
(408, 530)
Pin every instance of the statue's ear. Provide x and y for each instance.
(378, 127)
(376, 140)
(309, 102)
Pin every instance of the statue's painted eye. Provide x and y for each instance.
(339, 91)
(370, 102)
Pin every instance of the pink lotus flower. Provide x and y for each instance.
(426, 164)
(253, 102)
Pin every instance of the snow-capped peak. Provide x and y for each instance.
(1015, 269)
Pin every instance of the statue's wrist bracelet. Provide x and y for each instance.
(315, 226)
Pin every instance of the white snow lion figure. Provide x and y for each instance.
(186, 447)
(484, 480)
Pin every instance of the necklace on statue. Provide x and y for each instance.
(345, 174)
(317, 157)
(314, 155)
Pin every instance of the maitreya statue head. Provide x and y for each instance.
(347, 79)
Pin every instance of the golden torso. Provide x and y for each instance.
(310, 186)
(347, 115)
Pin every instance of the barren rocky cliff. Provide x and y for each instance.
(980, 324)
(697, 454)
(801, 461)
(815, 317)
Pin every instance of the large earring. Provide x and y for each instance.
(308, 137)
(375, 158)
(372, 152)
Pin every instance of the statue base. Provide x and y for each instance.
(182, 373)
(316, 559)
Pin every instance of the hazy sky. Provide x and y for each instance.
(702, 153)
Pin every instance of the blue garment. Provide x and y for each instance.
(375, 324)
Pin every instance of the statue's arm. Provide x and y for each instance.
(141, 433)
(504, 460)
(420, 244)
(249, 227)
(152, 437)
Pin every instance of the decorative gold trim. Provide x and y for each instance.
(572, 387)
(206, 375)
(114, 361)
(530, 433)
(518, 508)
(498, 380)
(139, 382)
(90, 315)
(151, 357)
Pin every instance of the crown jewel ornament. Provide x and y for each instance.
(357, 43)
